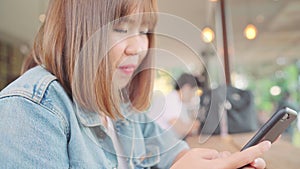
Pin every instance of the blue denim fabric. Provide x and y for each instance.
(41, 127)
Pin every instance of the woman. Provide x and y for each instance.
(80, 99)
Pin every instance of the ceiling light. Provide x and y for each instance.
(250, 32)
(208, 35)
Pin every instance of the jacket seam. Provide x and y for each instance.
(26, 95)
(42, 87)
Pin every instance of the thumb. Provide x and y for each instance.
(247, 156)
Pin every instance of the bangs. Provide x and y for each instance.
(144, 9)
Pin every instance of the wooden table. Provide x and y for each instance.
(282, 155)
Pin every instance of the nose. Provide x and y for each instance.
(136, 44)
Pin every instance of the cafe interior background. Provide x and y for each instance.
(262, 37)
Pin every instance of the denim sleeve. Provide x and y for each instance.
(31, 135)
(169, 145)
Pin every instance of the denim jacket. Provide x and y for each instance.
(41, 127)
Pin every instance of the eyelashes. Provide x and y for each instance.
(120, 30)
(145, 32)
(125, 31)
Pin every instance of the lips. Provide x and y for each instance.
(127, 69)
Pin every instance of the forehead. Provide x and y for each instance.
(138, 12)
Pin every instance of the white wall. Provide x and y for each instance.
(24, 14)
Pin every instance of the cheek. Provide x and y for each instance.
(145, 48)
(115, 53)
(146, 42)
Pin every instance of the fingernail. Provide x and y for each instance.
(257, 163)
(266, 145)
(254, 163)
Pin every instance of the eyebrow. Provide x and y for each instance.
(131, 21)
(125, 20)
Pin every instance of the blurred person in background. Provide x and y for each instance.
(177, 110)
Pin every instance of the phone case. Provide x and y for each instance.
(273, 127)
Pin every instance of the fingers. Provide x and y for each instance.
(258, 163)
(207, 154)
(248, 156)
(207, 158)
(224, 154)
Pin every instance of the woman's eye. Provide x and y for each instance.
(144, 32)
(120, 30)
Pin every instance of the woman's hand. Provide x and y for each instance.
(199, 158)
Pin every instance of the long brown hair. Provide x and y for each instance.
(69, 25)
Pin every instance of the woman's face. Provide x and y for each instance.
(129, 46)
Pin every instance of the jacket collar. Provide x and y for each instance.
(87, 118)
(92, 119)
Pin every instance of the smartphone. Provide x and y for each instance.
(275, 126)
